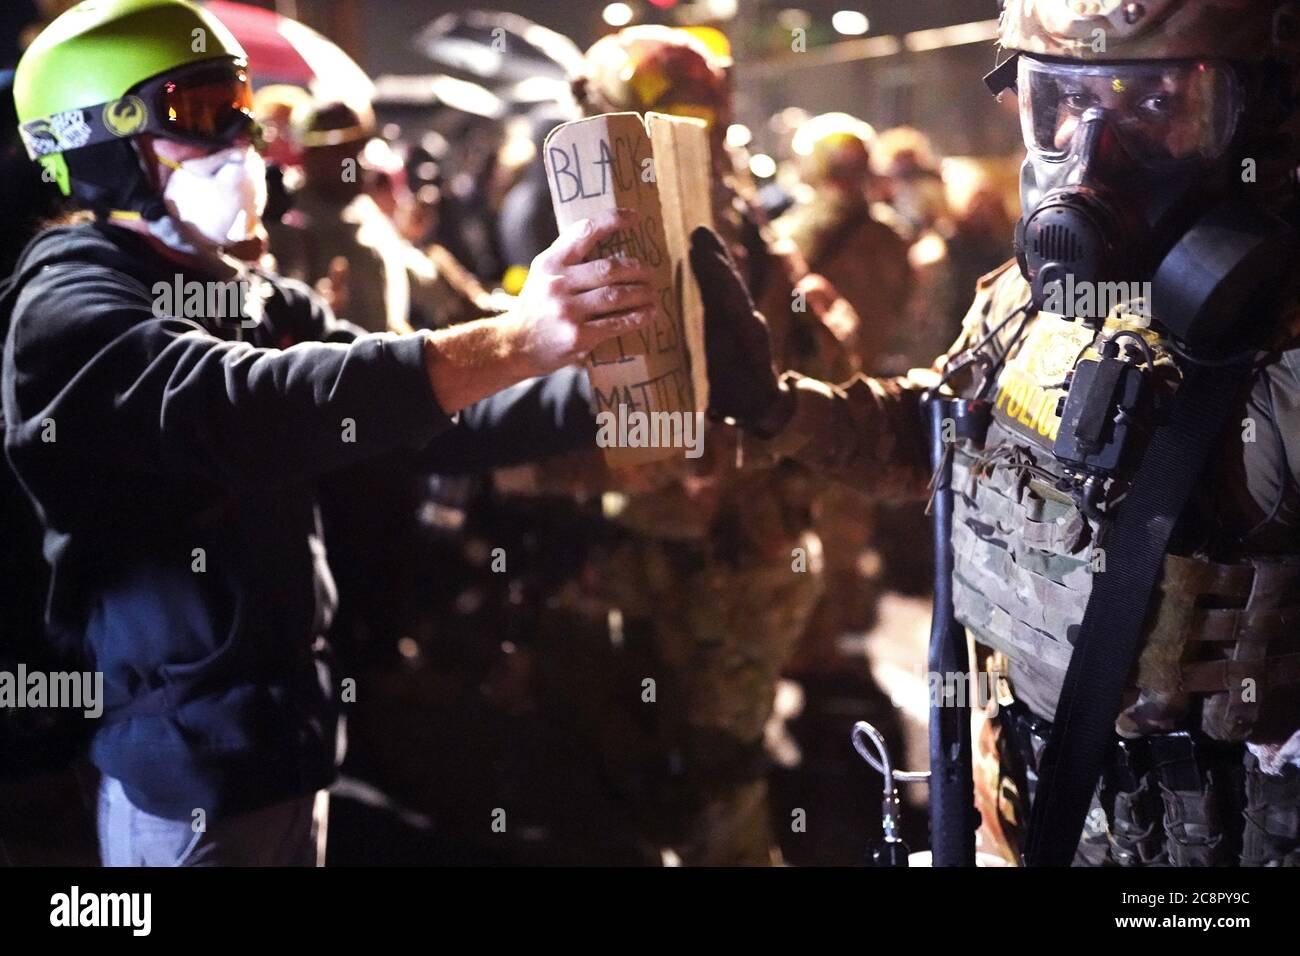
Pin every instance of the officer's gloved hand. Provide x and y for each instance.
(742, 384)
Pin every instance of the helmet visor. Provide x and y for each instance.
(1163, 113)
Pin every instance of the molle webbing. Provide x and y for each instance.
(1024, 556)
(1022, 552)
(1229, 631)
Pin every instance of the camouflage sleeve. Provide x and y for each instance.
(1261, 481)
(871, 432)
(868, 432)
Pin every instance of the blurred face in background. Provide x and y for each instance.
(333, 172)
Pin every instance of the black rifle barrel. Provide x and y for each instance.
(952, 789)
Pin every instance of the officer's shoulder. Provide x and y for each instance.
(1003, 275)
(889, 217)
(1000, 292)
(881, 236)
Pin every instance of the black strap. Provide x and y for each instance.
(1110, 637)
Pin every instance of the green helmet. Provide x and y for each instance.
(72, 86)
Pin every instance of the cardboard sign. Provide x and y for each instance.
(660, 168)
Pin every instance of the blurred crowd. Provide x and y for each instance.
(501, 625)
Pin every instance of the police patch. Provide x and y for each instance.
(1030, 386)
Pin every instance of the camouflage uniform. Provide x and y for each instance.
(1206, 769)
(388, 281)
(699, 572)
(864, 259)
(692, 577)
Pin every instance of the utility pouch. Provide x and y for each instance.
(1272, 826)
(1193, 822)
(1229, 634)
(1132, 804)
(1096, 413)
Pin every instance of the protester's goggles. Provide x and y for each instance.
(208, 104)
(1162, 112)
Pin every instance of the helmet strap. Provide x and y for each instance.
(111, 176)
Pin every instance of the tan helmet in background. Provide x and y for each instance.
(834, 148)
(1109, 30)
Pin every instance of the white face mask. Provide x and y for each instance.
(221, 196)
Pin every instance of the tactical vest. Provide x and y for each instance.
(1222, 645)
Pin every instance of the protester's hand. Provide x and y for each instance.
(567, 306)
(742, 384)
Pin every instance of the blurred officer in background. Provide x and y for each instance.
(345, 242)
(833, 227)
(910, 182)
(834, 230)
(171, 443)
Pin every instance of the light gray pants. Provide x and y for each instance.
(291, 833)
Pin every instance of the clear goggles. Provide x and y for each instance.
(1162, 112)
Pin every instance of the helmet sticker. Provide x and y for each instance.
(125, 117)
(56, 134)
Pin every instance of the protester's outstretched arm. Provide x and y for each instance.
(149, 394)
(528, 422)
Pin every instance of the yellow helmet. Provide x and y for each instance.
(655, 68)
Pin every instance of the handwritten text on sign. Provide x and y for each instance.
(609, 162)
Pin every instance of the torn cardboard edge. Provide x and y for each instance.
(661, 169)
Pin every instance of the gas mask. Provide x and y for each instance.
(1127, 199)
(220, 196)
(1123, 158)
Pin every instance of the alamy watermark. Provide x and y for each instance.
(75, 690)
(75, 908)
(213, 300)
(976, 689)
(639, 429)
(1096, 299)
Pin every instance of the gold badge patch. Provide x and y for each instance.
(1029, 388)
(125, 117)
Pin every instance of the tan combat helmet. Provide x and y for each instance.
(1107, 30)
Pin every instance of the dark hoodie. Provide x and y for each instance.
(173, 469)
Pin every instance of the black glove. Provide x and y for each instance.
(742, 385)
